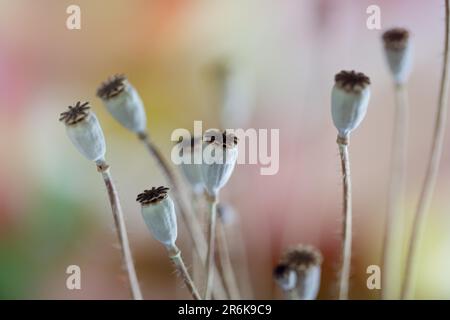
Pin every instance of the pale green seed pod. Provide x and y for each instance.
(220, 154)
(398, 51)
(159, 215)
(306, 262)
(190, 149)
(85, 132)
(349, 100)
(124, 103)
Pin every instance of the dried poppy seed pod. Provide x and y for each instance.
(349, 101)
(306, 261)
(398, 52)
(190, 149)
(158, 212)
(285, 277)
(124, 103)
(219, 158)
(85, 131)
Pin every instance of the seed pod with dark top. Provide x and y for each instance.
(398, 50)
(124, 103)
(159, 214)
(85, 131)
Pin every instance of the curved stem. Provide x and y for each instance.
(175, 256)
(432, 169)
(190, 221)
(394, 212)
(121, 230)
(212, 203)
(226, 265)
(347, 222)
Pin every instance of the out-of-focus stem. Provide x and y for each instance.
(226, 265)
(432, 169)
(394, 214)
(212, 204)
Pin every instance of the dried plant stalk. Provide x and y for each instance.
(347, 222)
(175, 256)
(432, 169)
(121, 230)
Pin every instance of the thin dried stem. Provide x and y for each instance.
(198, 267)
(175, 257)
(212, 204)
(432, 169)
(347, 222)
(121, 230)
(226, 265)
(190, 221)
(394, 214)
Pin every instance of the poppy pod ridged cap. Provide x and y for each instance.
(84, 130)
(349, 101)
(190, 148)
(124, 103)
(219, 159)
(159, 215)
(306, 261)
(398, 50)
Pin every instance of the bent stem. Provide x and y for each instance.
(121, 229)
(394, 212)
(432, 169)
(347, 222)
(226, 265)
(212, 204)
(190, 221)
(175, 257)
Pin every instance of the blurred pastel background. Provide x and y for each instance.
(284, 54)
